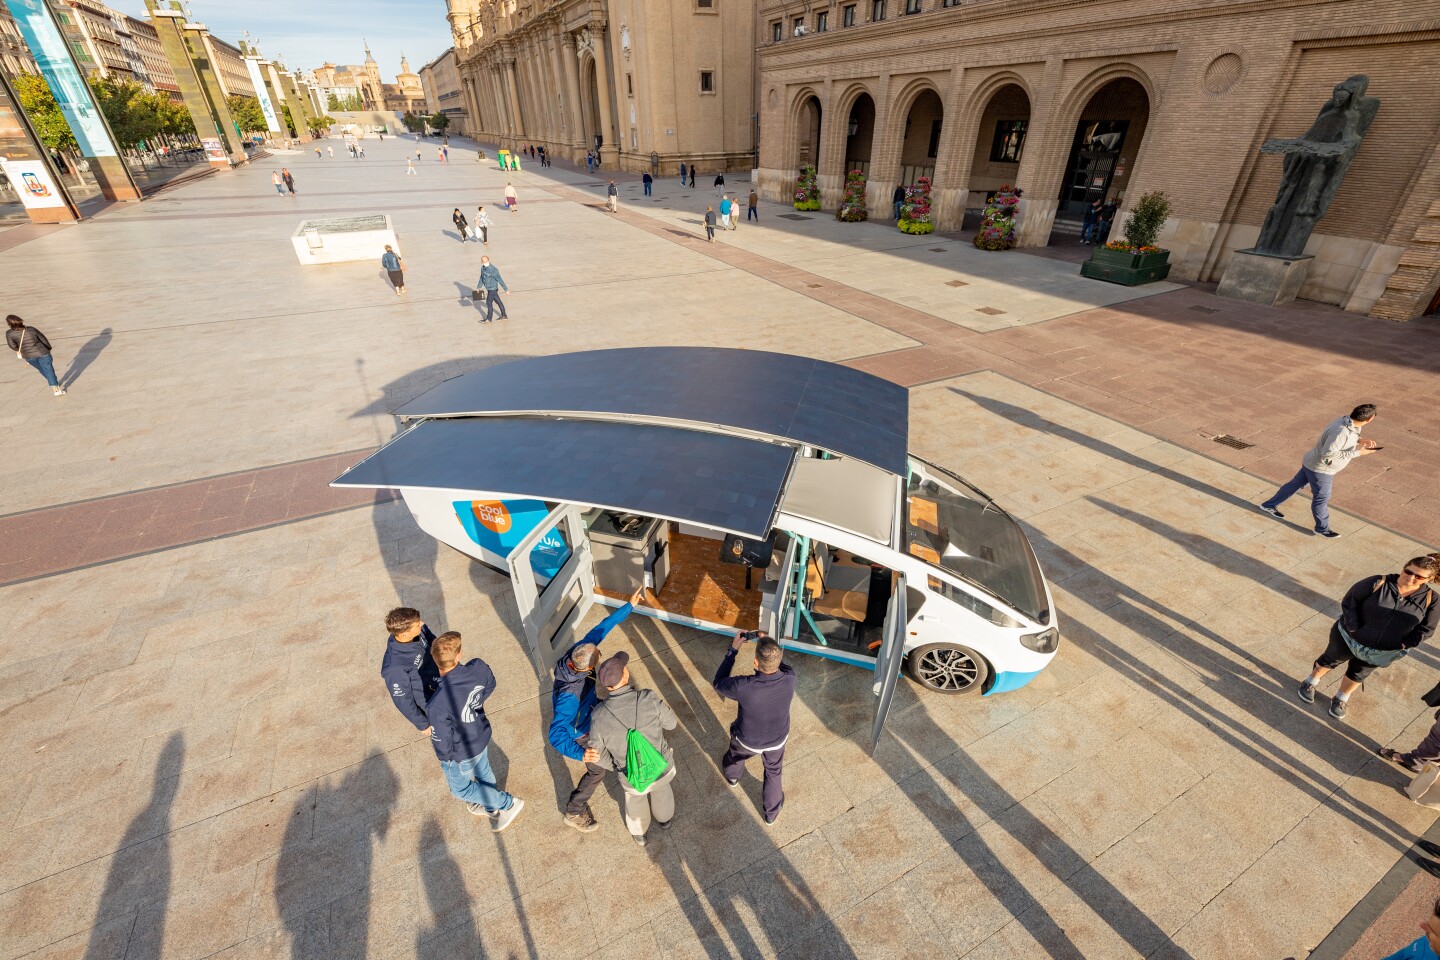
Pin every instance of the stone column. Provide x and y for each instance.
(569, 58)
(565, 100)
(518, 130)
(1045, 147)
(609, 153)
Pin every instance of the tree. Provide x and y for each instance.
(44, 112)
(322, 125)
(412, 123)
(438, 122)
(289, 121)
(333, 103)
(247, 113)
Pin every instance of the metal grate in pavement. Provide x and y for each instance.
(814, 286)
(1199, 309)
(957, 283)
(989, 311)
(938, 249)
(794, 216)
(1228, 441)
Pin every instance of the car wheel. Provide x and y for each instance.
(948, 668)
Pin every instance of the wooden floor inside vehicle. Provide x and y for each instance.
(702, 587)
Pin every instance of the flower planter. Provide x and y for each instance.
(1126, 267)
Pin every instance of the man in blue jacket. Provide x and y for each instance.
(407, 668)
(574, 699)
(763, 723)
(492, 283)
(461, 736)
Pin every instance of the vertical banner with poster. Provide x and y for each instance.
(272, 121)
(26, 165)
(214, 149)
(32, 181)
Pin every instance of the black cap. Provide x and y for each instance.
(612, 670)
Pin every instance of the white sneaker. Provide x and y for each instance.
(59, 391)
(479, 810)
(507, 817)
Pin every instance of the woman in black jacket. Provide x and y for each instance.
(1381, 619)
(31, 346)
(461, 224)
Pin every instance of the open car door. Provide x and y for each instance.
(552, 572)
(887, 664)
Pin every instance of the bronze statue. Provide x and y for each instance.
(1314, 166)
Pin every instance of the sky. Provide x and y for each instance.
(306, 33)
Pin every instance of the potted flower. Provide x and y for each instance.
(852, 205)
(807, 191)
(997, 227)
(1136, 259)
(915, 212)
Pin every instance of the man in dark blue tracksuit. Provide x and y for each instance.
(407, 668)
(763, 724)
(574, 699)
(461, 733)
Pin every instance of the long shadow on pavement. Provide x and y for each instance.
(85, 356)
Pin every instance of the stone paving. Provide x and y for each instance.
(201, 763)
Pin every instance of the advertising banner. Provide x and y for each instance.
(272, 122)
(499, 525)
(215, 149)
(32, 182)
(58, 67)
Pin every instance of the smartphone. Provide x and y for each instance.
(750, 636)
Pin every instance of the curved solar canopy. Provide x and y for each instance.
(798, 399)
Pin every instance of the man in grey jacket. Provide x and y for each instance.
(1338, 445)
(627, 709)
(492, 283)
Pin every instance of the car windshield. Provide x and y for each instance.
(951, 525)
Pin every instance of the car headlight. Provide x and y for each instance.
(1046, 642)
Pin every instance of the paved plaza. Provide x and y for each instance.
(201, 761)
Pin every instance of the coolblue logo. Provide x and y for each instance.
(472, 704)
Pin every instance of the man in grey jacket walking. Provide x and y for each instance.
(627, 709)
(492, 283)
(1338, 445)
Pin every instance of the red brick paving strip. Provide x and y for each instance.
(50, 540)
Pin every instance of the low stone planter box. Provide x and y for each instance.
(1124, 267)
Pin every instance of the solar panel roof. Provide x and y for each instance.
(716, 480)
(799, 399)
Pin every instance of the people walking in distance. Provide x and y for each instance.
(407, 667)
(612, 197)
(440, 154)
(31, 346)
(394, 265)
(277, 182)
(631, 723)
(492, 283)
(683, 171)
(410, 168)
(360, 147)
(693, 171)
(1381, 619)
(461, 224)
(1339, 443)
(589, 161)
(752, 207)
(897, 200)
(480, 230)
(710, 224)
(512, 200)
(573, 698)
(461, 733)
(445, 153)
(725, 207)
(289, 180)
(1104, 220)
(762, 726)
(1092, 215)
(417, 153)
(720, 184)
(330, 149)
(317, 151)
(648, 181)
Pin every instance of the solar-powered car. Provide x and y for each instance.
(742, 490)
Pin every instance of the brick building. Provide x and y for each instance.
(635, 77)
(1074, 99)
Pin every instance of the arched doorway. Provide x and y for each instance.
(1107, 141)
(999, 143)
(807, 129)
(920, 144)
(859, 135)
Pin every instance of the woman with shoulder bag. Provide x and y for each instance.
(394, 266)
(31, 346)
(1381, 620)
(461, 224)
(481, 230)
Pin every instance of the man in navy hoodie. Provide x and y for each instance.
(407, 667)
(573, 697)
(461, 736)
(763, 724)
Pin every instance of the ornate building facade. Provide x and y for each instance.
(1071, 100)
(648, 83)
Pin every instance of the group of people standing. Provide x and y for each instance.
(538, 153)
(600, 717)
(1099, 217)
(729, 214)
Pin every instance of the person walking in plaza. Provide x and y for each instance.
(710, 224)
(762, 726)
(461, 224)
(1428, 750)
(410, 168)
(589, 162)
(612, 198)
(289, 180)
(317, 151)
(1104, 220)
(693, 171)
(31, 346)
(725, 207)
(648, 181)
(719, 184)
(1092, 214)
(512, 201)
(1381, 620)
(394, 265)
(277, 182)
(1339, 443)
(683, 170)
(752, 207)
(572, 695)
(461, 733)
(481, 228)
(646, 714)
(408, 668)
(440, 154)
(492, 283)
(897, 200)
(361, 148)
(445, 153)
(417, 153)
(330, 149)
(1427, 945)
